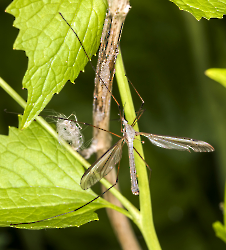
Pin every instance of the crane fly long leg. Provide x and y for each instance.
(178, 143)
(142, 159)
(102, 166)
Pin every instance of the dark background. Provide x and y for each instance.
(165, 52)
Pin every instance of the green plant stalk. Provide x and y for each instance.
(133, 212)
(145, 220)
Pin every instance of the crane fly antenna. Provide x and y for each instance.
(141, 110)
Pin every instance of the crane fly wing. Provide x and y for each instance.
(178, 143)
(102, 166)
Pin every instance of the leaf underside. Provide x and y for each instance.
(39, 179)
(55, 55)
(203, 8)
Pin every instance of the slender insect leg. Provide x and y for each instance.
(142, 159)
(149, 178)
(32, 222)
(140, 111)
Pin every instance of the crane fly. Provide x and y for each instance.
(106, 162)
(102, 166)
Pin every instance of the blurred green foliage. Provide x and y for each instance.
(220, 228)
(217, 74)
(165, 52)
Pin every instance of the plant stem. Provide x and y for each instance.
(12, 93)
(145, 221)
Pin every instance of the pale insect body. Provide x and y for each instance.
(69, 130)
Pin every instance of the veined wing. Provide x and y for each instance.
(178, 143)
(102, 166)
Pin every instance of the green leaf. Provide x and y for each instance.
(220, 230)
(203, 8)
(218, 75)
(55, 54)
(218, 227)
(40, 179)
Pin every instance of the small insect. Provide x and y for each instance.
(70, 131)
(67, 129)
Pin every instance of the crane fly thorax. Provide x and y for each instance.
(128, 132)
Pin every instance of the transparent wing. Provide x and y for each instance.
(102, 166)
(178, 143)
